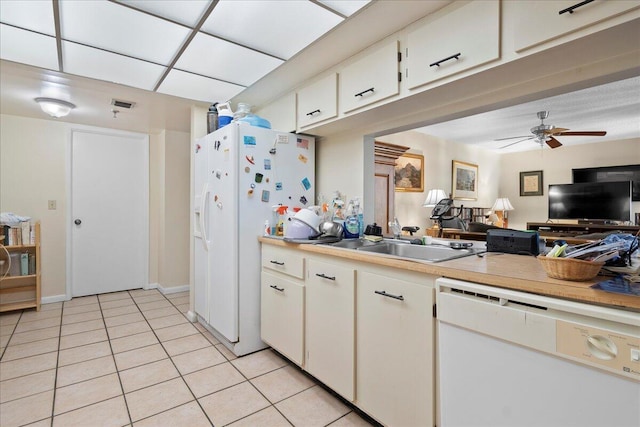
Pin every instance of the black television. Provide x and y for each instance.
(592, 201)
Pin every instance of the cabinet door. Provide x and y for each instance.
(370, 79)
(464, 38)
(318, 101)
(530, 14)
(330, 322)
(395, 350)
(281, 316)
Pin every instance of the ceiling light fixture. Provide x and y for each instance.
(55, 107)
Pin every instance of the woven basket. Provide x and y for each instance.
(569, 268)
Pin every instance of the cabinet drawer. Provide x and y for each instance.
(530, 14)
(283, 260)
(282, 309)
(462, 39)
(318, 101)
(370, 79)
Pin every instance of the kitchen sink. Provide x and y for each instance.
(403, 249)
(430, 253)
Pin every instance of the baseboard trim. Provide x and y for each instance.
(54, 298)
(151, 286)
(172, 289)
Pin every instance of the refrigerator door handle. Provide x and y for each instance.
(203, 214)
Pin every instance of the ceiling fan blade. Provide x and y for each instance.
(583, 133)
(514, 143)
(553, 143)
(512, 137)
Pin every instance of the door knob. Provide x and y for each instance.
(77, 222)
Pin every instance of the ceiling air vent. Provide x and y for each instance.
(122, 104)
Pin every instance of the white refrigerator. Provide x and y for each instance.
(240, 173)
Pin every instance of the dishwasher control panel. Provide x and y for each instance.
(613, 351)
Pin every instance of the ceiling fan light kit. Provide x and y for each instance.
(547, 133)
(55, 107)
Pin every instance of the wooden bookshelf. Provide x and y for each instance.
(27, 284)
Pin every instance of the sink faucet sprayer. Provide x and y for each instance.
(395, 227)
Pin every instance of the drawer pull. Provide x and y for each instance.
(574, 7)
(384, 294)
(276, 288)
(325, 277)
(276, 262)
(371, 89)
(437, 63)
(314, 112)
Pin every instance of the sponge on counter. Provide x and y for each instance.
(372, 238)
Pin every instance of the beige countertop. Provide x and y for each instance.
(518, 272)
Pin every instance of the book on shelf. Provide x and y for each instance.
(24, 264)
(26, 232)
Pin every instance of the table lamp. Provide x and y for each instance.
(433, 197)
(500, 208)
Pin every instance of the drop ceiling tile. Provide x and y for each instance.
(186, 12)
(120, 29)
(347, 8)
(34, 15)
(222, 60)
(280, 28)
(102, 65)
(192, 86)
(27, 47)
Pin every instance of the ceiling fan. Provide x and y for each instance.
(547, 133)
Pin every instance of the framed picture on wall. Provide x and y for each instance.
(409, 173)
(464, 181)
(531, 183)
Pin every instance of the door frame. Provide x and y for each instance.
(69, 193)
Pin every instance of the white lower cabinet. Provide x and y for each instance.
(395, 349)
(282, 316)
(330, 324)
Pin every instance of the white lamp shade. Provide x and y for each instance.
(433, 197)
(502, 204)
(55, 107)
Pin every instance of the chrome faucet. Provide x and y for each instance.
(395, 228)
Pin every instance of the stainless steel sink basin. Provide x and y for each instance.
(354, 243)
(430, 253)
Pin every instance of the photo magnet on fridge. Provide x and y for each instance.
(267, 164)
(278, 186)
(265, 195)
(306, 183)
(283, 139)
(302, 143)
(302, 158)
(249, 140)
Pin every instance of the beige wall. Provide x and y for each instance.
(438, 156)
(556, 166)
(33, 170)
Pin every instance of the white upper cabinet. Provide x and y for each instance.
(463, 38)
(370, 79)
(318, 101)
(541, 21)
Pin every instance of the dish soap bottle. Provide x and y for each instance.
(351, 223)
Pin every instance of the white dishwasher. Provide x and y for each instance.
(514, 359)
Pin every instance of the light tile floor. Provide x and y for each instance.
(133, 359)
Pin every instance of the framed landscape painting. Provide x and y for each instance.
(409, 173)
(464, 181)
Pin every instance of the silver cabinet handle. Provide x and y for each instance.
(276, 288)
(325, 276)
(384, 294)
(276, 262)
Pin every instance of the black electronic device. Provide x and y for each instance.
(598, 201)
(441, 208)
(513, 241)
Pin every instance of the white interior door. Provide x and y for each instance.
(109, 212)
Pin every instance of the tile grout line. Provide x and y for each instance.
(172, 362)
(113, 356)
(55, 380)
